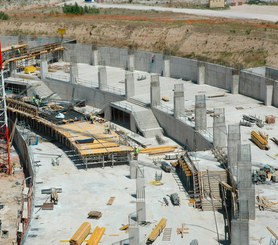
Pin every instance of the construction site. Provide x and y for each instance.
(103, 145)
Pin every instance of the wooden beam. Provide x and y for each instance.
(272, 232)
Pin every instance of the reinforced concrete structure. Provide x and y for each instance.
(200, 113)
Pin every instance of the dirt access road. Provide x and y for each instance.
(233, 42)
(267, 13)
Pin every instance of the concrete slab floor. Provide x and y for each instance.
(84, 191)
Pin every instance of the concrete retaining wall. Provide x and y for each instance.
(252, 85)
(115, 57)
(218, 76)
(93, 96)
(271, 73)
(31, 41)
(149, 62)
(82, 53)
(24, 153)
(181, 132)
(186, 69)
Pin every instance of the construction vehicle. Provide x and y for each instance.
(260, 139)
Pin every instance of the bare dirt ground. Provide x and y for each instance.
(11, 197)
(234, 42)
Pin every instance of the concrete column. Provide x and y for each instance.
(73, 73)
(235, 84)
(133, 234)
(178, 100)
(268, 92)
(133, 169)
(130, 63)
(94, 57)
(239, 232)
(141, 210)
(275, 93)
(129, 84)
(234, 139)
(166, 68)
(12, 68)
(155, 90)
(200, 112)
(102, 77)
(108, 113)
(201, 73)
(43, 69)
(219, 128)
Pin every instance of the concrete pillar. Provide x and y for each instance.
(201, 73)
(133, 234)
(102, 77)
(73, 73)
(178, 100)
(155, 90)
(130, 62)
(12, 68)
(219, 128)
(94, 57)
(275, 93)
(235, 84)
(166, 68)
(268, 92)
(133, 169)
(129, 84)
(108, 113)
(234, 139)
(245, 186)
(44, 69)
(141, 210)
(239, 232)
(200, 112)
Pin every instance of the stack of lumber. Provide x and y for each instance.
(96, 236)
(157, 230)
(80, 235)
(158, 150)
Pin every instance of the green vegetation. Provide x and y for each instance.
(76, 9)
(4, 16)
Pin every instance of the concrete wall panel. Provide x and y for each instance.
(186, 69)
(93, 96)
(252, 85)
(218, 76)
(181, 132)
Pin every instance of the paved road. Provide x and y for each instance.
(267, 13)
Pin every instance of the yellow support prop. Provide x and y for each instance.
(80, 235)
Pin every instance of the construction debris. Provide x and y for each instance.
(50, 190)
(270, 119)
(54, 197)
(183, 230)
(124, 227)
(47, 206)
(94, 215)
(175, 199)
(264, 203)
(275, 140)
(110, 201)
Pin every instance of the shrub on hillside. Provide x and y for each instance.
(76, 9)
(3, 16)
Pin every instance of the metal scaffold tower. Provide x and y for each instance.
(5, 160)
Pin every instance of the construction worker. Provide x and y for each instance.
(136, 153)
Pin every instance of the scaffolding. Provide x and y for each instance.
(5, 159)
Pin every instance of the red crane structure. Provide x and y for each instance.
(5, 158)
